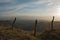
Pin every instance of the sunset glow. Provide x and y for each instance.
(58, 11)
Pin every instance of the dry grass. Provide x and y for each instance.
(6, 33)
(50, 35)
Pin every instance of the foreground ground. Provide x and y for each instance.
(6, 33)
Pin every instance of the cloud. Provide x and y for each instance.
(29, 6)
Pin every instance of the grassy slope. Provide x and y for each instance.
(6, 33)
(50, 35)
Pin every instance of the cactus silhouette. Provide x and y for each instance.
(35, 29)
(52, 23)
(13, 22)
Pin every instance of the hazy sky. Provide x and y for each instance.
(29, 7)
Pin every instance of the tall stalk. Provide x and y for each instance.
(35, 29)
(52, 28)
(13, 22)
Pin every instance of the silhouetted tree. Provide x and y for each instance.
(35, 29)
(52, 23)
(13, 22)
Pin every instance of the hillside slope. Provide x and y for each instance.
(50, 35)
(6, 33)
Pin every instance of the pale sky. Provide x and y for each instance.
(29, 7)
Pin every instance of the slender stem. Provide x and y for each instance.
(52, 28)
(13, 22)
(35, 29)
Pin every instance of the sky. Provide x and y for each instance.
(29, 7)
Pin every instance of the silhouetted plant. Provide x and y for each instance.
(35, 29)
(52, 23)
(13, 22)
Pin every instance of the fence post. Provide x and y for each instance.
(35, 28)
(13, 22)
(52, 28)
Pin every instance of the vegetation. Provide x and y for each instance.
(6, 33)
(50, 35)
(15, 33)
